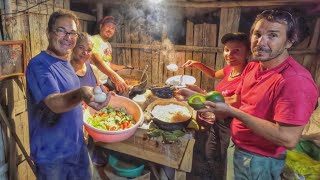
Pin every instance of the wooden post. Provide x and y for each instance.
(229, 22)
(210, 39)
(99, 7)
(189, 42)
(197, 41)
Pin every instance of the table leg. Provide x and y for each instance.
(180, 175)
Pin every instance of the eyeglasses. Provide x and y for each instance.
(62, 33)
(278, 15)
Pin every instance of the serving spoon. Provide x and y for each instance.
(144, 71)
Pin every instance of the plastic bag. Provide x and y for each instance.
(303, 165)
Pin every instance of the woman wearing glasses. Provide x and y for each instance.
(277, 96)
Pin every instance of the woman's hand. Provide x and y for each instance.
(183, 94)
(195, 88)
(191, 64)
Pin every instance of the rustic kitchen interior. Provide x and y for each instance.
(150, 35)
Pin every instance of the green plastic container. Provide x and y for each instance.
(125, 169)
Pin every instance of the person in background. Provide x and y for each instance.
(54, 105)
(277, 97)
(102, 56)
(80, 61)
(235, 52)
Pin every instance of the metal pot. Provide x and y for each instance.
(169, 126)
(134, 74)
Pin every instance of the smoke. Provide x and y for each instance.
(150, 21)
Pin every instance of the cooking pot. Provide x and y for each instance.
(169, 126)
(133, 74)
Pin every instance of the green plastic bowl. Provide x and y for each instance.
(125, 169)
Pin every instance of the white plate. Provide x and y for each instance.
(175, 80)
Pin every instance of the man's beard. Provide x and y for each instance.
(266, 50)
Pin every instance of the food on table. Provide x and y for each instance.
(214, 96)
(196, 101)
(172, 67)
(163, 92)
(99, 96)
(131, 82)
(172, 113)
(193, 125)
(111, 119)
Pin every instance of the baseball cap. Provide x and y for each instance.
(237, 36)
(108, 19)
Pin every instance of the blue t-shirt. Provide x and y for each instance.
(52, 136)
(89, 78)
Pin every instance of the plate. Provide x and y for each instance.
(175, 80)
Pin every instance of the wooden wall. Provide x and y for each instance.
(29, 26)
(202, 44)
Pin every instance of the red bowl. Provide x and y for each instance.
(120, 135)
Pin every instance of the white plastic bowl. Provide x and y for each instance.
(175, 80)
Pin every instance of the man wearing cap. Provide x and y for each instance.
(213, 144)
(102, 55)
(277, 97)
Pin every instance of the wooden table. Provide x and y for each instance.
(177, 155)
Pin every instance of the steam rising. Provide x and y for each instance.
(149, 21)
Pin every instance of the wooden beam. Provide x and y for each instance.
(86, 17)
(230, 4)
(196, 48)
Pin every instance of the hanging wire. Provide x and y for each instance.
(24, 11)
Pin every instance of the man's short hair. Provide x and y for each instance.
(282, 17)
(59, 14)
(237, 36)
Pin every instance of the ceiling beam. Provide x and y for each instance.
(228, 4)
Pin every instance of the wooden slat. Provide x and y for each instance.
(42, 29)
(186, 164)
(210, 37)
(180, 59)
(35, 38)
(189, 42)
(197, 56)
(309, 60)
(155, 76)
(135, 52)
(146, 55)
(127, 39)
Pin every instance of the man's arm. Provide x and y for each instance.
(63, 102)
(116, 67)
(121, 86)
(285, 135)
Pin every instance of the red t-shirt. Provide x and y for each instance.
(226, 87)
(286, 94)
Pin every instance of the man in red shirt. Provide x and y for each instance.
(277, 97)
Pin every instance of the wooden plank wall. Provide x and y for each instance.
(209, 35)
(30, 27)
